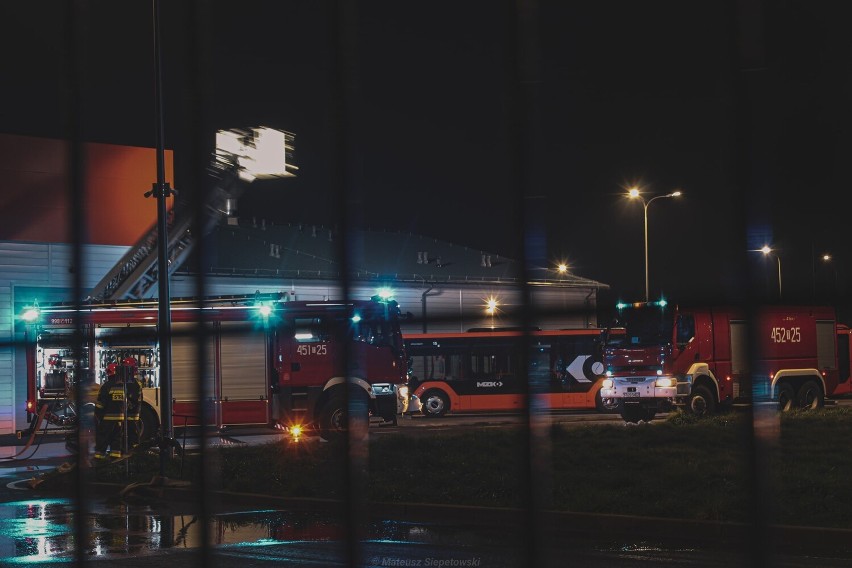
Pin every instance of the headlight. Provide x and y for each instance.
(403, 391)
(607, 384)
(608, 373)
(666, 383)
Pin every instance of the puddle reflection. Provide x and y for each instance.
(39, 530)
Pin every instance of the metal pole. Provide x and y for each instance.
(778, 258)
(645, 204)
(162, 191)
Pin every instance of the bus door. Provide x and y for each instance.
(577, 366)
(494, 382)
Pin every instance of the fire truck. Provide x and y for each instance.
(264, 362)
(704, 359)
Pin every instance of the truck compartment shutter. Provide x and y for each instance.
(826, 355)
(739, 347)
(185, 371)
(243, 362)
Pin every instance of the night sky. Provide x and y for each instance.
(436, 123)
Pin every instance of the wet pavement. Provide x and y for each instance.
(40, 531)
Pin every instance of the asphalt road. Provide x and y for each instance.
(39, 529)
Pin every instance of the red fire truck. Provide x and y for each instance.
(701, 358)
(265, 361)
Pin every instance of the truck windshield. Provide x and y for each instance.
(647, 325)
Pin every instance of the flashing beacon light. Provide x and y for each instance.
(384, 293)
(621, 305)
(662, 303)
(356, 318)
(31, 314)
(265, 310)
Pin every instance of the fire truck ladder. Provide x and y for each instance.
(241, 156)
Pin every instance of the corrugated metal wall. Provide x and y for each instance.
(24, 269)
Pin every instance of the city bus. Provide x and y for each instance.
(480, 371)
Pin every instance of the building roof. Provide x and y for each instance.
(248, 247)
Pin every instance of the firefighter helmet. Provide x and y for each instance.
(130, 363)
(111, 369)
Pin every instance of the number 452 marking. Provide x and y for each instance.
(786, 334)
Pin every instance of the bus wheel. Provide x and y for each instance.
(810, 396)
(786, 397)
(701, 401)
(150, 424)
(434, 404)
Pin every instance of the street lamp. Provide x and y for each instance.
(634, 193)
(491, 308)
(766, 250)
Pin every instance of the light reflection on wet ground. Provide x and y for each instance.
(41, 531)
(36, 530)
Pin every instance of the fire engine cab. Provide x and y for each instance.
(706, 358)
(252, 360)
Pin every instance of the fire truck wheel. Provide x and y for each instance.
(810, 396)
(786, 397)
(606, 405)
(701, 401)
(632, 413)
(334, 418)
(434, 404)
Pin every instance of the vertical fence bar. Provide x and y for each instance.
(197, 49)
(752, 176)
(77, 223)
(522, 85)
(342, 24)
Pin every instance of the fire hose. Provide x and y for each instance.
(33, 432)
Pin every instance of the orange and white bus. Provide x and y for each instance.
(480, 370)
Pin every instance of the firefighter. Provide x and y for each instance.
(120, 399)
(133, 391)
(104, 428)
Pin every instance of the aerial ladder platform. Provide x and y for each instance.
(241, 156)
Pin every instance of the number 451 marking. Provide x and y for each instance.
(320, 349)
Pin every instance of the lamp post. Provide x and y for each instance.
(634, 193)
(828, 260)
(766, 250)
